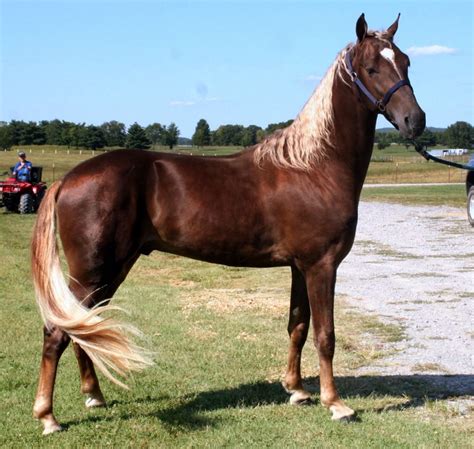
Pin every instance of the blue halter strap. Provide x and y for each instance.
(379, 104)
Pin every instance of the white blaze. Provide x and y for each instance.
(389, 55)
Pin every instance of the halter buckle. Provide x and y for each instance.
(380, 106)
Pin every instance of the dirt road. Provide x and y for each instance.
(414, 266)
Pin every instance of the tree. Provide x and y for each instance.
(228, 135)
(94, 137)
(54, 131)
(272, 127)
(77, 135)
(154, 133)
(6, 140)
(37, 134)
(460, 135)
(170, 135)
(136, 138)
(114, 133)
(202, 134)
(17, 129)
(382, 141)
(427, 139)
(250, 135)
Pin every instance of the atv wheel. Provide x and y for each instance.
(26, 204)
(9, 202)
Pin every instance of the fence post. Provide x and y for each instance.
(53, 171)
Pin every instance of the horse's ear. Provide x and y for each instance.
(361, 27)
(392, 29)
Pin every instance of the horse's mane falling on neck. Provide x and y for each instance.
(309, 138)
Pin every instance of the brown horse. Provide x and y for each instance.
(291, 200)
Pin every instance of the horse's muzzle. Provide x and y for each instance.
(411, 125)
(415, 123)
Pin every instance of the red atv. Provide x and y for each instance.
(23, 196)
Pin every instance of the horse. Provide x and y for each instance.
(290, 200)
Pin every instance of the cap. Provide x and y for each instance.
(21, 153)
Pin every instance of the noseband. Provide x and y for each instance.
(379, 104)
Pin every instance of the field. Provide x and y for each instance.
(220, 341)
(446, 195)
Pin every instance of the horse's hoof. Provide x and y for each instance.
(92, 402)
(51, 428)
(300, 397)
(343, 414)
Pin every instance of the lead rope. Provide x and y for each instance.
(428, 157)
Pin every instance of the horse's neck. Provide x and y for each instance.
(354, 130)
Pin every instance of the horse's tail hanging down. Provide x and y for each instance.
(105, 341)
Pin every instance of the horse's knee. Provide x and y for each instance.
(55, 342)
(325, 342)
(298, 333)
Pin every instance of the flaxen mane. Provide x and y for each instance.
(307, 140)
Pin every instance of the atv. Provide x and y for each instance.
(22, 196)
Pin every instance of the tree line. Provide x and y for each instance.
(115, 134)
(235, 135)
(109, 134)
(457, 135)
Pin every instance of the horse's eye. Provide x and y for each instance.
(371, 71)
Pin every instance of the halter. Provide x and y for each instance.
(379, 104)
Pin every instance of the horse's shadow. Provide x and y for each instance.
(191, 411)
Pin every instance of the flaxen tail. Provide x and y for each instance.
(105, 341)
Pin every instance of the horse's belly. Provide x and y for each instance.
(224, 245)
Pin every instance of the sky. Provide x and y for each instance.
(229, 62)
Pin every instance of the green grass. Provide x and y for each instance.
(448, 195)
(220, 341)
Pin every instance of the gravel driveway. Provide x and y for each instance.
(414, 266)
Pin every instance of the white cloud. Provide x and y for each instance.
(431, 50)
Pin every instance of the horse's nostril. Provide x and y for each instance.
(407, 121)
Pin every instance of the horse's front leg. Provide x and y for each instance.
(298, 325)
(320, 282)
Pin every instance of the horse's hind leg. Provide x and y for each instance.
(298, 325)
(54, 344)
(91, 292)
(89, 383)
